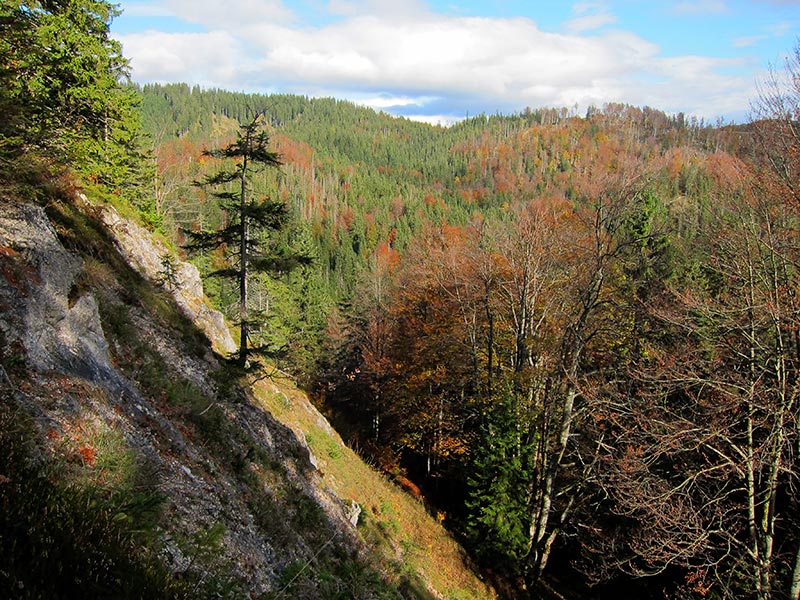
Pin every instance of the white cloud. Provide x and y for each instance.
(700, 7)
(342, 7)
(773, 31)
(442, 120)
(589, 16)
(699, 85)
(500, 57)
(208, 59)
(385, 101)
(406, 9)
(391, 58)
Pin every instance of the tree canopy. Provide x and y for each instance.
(249, 220)
(577, 334)
(61, 91)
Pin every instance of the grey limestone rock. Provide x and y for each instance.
(353, 512)
(151, 258)
(56, 329)
(73, 381)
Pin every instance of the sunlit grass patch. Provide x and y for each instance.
(417, 551)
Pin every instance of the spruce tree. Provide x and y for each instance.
(245, 235)
(60, 92)
(498, 519)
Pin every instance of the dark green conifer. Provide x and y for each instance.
(60, 92)
(249, 221)
(497, 504)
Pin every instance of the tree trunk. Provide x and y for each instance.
(243, 242)
(489, 342)
(539, 540)
(794, 594)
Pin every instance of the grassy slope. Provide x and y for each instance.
(427, 562)
(392, 521)
(92, 429)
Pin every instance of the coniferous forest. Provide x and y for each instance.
(575, 337)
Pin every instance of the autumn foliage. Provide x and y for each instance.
(574, 335)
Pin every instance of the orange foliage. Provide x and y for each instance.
(504, 181)
(386, 256)
(87, 454)
(294, 152)
(727, 171)
(346, 219)
(409, 486)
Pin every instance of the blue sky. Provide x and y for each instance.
(440, 60)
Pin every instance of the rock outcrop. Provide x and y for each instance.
(80, 378)
(119, 389)
(159, 265)
(43, 313)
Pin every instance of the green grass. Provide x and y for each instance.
(415, 548)
(79, 525)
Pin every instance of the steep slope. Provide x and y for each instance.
(136, 463)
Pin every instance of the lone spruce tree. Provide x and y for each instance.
(249, 220)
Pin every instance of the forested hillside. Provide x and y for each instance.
(574, 335)
(574, 338)
(362, 186)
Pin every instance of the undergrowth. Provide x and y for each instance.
(68, 537)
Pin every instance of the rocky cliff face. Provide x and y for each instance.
(58, 330)
(94, 351)
(154, 261)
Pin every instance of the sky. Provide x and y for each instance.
(443, 60)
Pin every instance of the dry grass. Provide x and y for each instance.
(392, 521)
